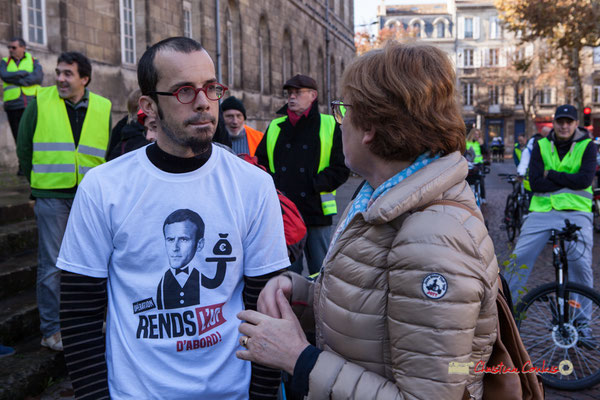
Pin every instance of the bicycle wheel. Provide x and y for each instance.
(476, 193)
(575, 350)
(509, 215)
(596, 210)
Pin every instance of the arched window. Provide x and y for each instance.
(231, 47)
(286, 58)
(305, 58)
(264, 56)
(417, 29)
(440, 27)
(332, 79)
(321, 73)
(417, 25)
(229, 44)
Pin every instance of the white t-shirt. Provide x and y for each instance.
(115, 230)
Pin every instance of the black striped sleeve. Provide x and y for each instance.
(264, 384)
(83, 302)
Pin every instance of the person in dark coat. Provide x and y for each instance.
(299, 170)
(128, 134)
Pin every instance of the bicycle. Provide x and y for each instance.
(596, 210)
(476, 175)
(555, 328)
(517, 206)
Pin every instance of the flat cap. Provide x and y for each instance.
(301, 81)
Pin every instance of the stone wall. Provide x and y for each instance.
(294, 27)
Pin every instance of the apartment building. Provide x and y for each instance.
(495, 96)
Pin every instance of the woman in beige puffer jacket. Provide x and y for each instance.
(404, 307)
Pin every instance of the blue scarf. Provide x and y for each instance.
(367, 195)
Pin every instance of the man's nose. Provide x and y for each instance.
(201, 102)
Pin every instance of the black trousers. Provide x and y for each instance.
(14, 117)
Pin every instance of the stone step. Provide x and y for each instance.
(30, 370)
(15, 212)
(18, 273)
(19, 317)
(15, 202)
(17, 238)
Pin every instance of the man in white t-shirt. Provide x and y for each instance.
(177, 340)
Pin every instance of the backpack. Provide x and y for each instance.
(508, 348)
(294, 227)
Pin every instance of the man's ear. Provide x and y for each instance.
(368, 136)
(314, 94)
(148, 106)
(200, 245)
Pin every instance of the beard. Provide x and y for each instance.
(201, 140)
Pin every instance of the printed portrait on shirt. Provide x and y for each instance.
(183, 232)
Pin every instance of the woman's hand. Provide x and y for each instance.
(275, 343)
(267, 300)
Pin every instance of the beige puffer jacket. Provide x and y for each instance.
(382, 336)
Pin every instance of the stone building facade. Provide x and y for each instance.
(259, 45)
(493, 94)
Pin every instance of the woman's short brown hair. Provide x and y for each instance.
(407, 93)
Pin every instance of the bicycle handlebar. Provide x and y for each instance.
(568, 233)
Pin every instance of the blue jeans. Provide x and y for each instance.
(52, 216)
(317, 243)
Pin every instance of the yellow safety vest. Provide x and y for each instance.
(12, 91)
(565, 198)
(57, 163)
(326, 131)
(477, 149)
(519, 153)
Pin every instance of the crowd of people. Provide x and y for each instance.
(385, 314)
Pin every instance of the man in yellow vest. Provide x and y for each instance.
(64, 133)
(561, 171)
(302, 150)
(22, 75)
(244, 139)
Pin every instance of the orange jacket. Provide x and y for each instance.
(254, 137)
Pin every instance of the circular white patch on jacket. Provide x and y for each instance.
(435, 286)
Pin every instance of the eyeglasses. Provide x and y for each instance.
(12, 47)
(295, 92)
(339, 110)
(188, 94)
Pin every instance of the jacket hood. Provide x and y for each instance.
(132, 129)
(419, 189)
(580, 134)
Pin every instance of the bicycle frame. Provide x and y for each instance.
(561, 268)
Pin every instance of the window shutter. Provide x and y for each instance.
(460, 58)
(492, 30)
(529, 50)
(476, 58)
(502, 58)
(476, 27)
(461, 27)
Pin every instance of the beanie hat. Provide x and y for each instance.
(233, 103)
